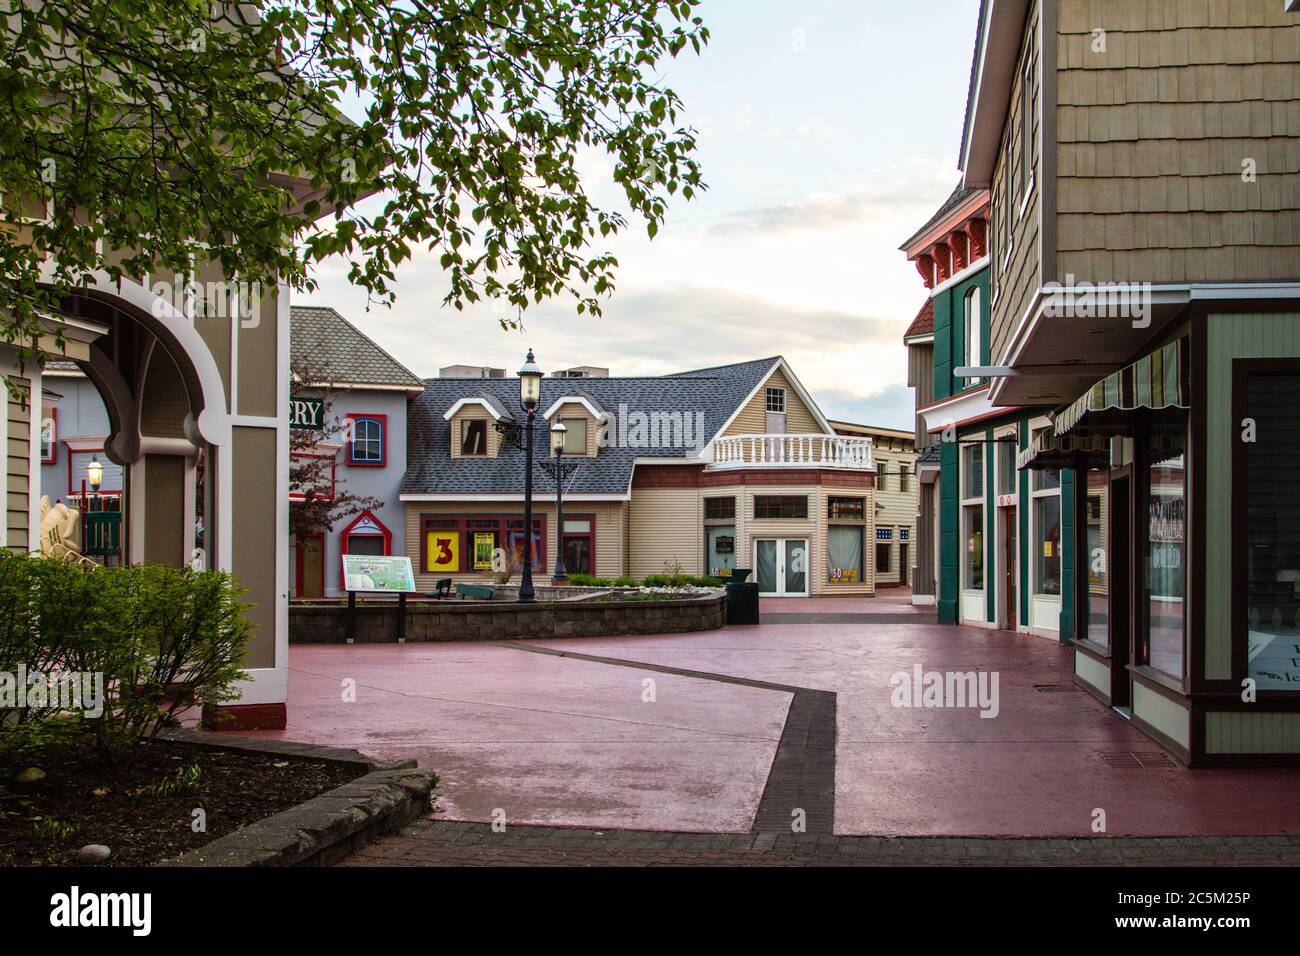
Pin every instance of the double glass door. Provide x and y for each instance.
(782, 566)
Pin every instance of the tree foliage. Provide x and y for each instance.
(158, 133)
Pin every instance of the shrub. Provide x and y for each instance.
(164, 639)
(587, 581)
(625, 582)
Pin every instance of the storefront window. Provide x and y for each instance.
(1046, 529)
(1047, 555)
(1096, 595)
(844, 553)
(720, 548)
(1273, 533)
(1166, 551)
(973, 516)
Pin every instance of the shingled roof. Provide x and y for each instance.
(715, 392)
(923, 324)
(338, 353)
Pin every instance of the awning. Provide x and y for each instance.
(1157, 381)
(1048, 451)
(1055, 452)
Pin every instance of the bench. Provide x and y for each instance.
(441, 589)
(475, 591)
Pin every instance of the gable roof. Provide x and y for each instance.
(714, 393)
(339, 353)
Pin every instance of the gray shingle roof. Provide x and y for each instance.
(716, 393)
(336, 351)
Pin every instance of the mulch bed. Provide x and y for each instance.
(120, 806)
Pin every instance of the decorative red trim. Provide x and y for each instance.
(942, 256)
(589, 535)
(353, 418)
(347, 533)
(238, 718)
(925, 266)
(685, 476)
(667, 476)
(502, 530)
(977, 229)
(959, 243)
(334, 474)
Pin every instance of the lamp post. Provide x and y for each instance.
(95, 475)
(560, 470)
(530, 393)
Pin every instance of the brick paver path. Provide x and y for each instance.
(450, 843)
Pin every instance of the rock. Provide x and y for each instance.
(93, 853)
(31, 775)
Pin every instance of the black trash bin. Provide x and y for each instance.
(742, 598)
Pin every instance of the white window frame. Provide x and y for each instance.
(977, 325)
(1035, 532)
(774, 391)
(968, 500)
(1027, 141)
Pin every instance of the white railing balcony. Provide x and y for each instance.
(793, 451)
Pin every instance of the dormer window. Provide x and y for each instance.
(776, 400)
(575, 436)
(473, 437)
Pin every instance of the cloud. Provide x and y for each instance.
(828, 211)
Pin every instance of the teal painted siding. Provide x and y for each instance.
(949, 546)
(1022, 535)
(1069, 545)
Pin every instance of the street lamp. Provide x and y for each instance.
(560, 470)
(530, 393)
(95, 473)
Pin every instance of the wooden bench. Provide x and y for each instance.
(479, 591)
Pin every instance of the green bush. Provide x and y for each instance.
(164, 639)
(587, 581)
(626, 582)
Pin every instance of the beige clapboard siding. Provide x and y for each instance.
(1153, 134)
(610, 534)
(894, 509)
(163, 415)
(1017, 278)
(474, 413)
(1246, 733)
(18, 465)
(752, 418)
(572, 410)
(821, 584)
(665, 524)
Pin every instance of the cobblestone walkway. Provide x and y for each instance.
(449, 843)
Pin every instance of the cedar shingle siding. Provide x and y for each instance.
(1153, 134)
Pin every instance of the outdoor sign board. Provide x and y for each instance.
(389, 573)
(306, 412)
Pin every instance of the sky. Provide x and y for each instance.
(829, 133)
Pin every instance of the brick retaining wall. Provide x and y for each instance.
(491, 620)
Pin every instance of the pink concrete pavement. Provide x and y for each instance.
(569, 742)
(545, 740)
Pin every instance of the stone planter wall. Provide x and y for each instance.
(493, 620)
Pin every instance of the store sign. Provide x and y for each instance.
(485, 543)
(442, 551)
(724, 545)
(844, 575)
(383, 573)
(308, 413)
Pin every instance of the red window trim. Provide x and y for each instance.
(589, 534)
(382, 419)
(347, 533)
(502, 531)
(54, 440)
(72, 491)
(334, 469)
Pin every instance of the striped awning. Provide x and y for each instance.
(1048, 451)
(1055, 452)
(1157, 381)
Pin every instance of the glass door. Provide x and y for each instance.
(782, 566)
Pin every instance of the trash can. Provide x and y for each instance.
(742, 598)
